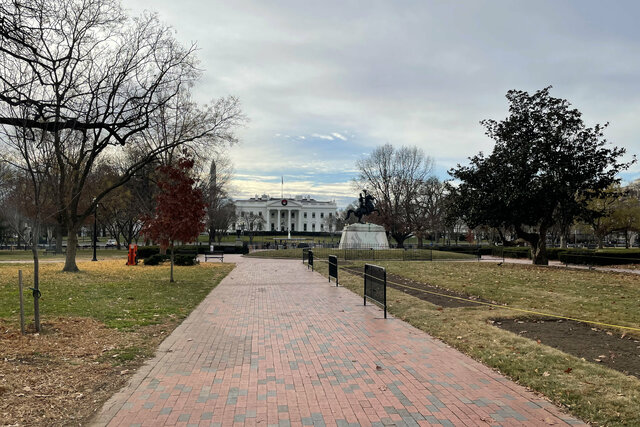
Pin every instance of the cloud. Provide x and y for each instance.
(319, 136)
(406, 72)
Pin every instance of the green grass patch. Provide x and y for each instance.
(82, 254)
(592, 392)
(367, 254)
(110, 292)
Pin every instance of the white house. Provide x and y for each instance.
(301, 213)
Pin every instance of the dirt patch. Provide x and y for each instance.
(76, 363)
(442, 297)
(617, 351)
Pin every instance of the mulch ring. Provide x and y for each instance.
(442, 297)
(617, 350)
(62, 376)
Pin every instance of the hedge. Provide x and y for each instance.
(600, 257)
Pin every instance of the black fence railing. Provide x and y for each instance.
(310, 260)
(333, 268)
(305, 254)
(375, 285)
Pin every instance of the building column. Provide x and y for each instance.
(288, 219)
(299, 221)
(267, 222)
(278, 228)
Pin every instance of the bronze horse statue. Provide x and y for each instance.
(365, 207)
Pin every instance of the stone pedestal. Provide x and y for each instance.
(363, 236)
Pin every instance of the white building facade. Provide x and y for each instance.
(301, 213)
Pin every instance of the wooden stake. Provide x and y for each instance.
(21, 302)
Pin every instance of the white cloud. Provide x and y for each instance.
(339, 136)
(319, 136)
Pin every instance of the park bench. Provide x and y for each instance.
(214, 255)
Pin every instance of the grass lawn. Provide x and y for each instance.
(590, 391)
(82, 254)
(351, 254)
(98, 326)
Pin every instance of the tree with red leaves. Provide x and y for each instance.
(180, 208)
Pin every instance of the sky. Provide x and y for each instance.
(325, 82)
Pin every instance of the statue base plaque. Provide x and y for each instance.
(363, 236)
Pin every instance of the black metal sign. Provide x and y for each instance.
(305, 254)
(333, 268)
(375, 285)
(310, 262)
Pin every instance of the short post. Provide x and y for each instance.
(333, 268)
(21, 302)
(310, 260)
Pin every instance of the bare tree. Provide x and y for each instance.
(428, 213)
(221, 211)
(94, 80)
(394, 177)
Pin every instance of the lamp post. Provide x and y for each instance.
(95, 232)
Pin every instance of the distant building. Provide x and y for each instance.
(301, 213)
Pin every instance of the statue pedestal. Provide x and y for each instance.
(364, 236)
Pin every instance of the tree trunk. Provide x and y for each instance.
(563, 241)
(36, 275)
(59, 238)
(171, 280)
(600, 242)
(538, 242)
(420, 241)
(72, 245)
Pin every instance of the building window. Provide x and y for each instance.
(321, 214)
(305, 214)
(305, 226)
(259, 213)
(321, 227)
(313, 215)
(330, 214)
(313, 227)
(242, 214)
(293, 215)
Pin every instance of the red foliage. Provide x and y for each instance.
(180, 208)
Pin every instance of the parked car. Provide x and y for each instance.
(111, 243)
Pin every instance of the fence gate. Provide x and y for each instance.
(310, 260)
(333, 268)
(375, 285)
(305, 254)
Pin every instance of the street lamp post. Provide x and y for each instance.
(95, 232)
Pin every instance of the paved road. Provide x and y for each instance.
(275, 345)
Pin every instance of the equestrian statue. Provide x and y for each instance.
(365, 207)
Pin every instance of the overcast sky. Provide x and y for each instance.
(325, 82)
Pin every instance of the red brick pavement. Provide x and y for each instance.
(275, 345)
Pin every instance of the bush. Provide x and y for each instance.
(184, 260)
(146, 251)
(601, 257)
(154, 259)
(511, 252)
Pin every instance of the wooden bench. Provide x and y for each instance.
(214, 255)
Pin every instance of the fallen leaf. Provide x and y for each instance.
(549, 421)
(568, 370)
(378, 368)
(545, 374)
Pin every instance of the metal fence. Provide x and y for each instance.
(333, 268)
(375, 285)
(310, 260)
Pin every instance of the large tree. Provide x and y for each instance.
(545, 164)
(95, 80)
(394, 177)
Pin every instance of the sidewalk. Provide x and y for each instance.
(276, 345)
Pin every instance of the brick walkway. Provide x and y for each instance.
(275, 345)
